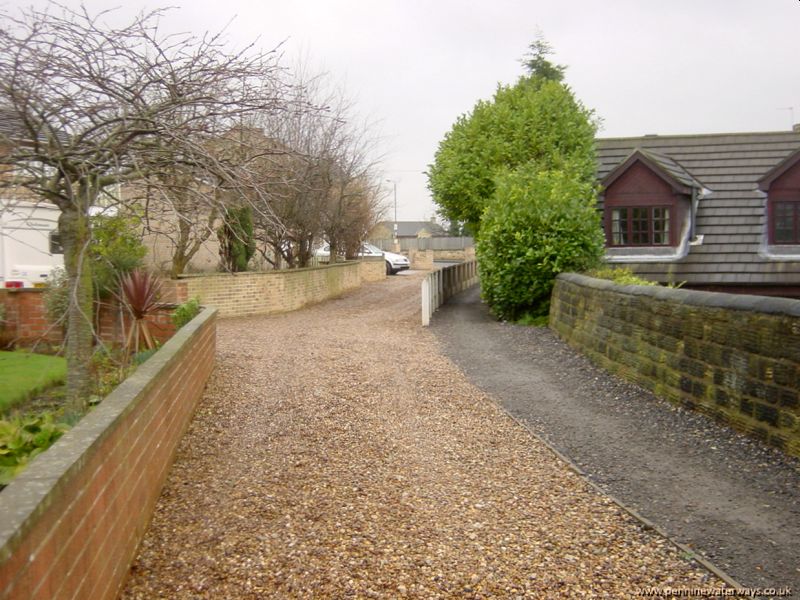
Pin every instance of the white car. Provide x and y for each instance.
(394, 262)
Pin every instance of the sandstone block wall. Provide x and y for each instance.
(735, 358)
(253, 293)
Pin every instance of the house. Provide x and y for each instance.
(720, 212)
(30, 247)
(406, 229)
(29, 243)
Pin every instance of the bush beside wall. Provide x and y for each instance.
(735, 358)
(71, 523)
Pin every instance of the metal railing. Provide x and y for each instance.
(441, 285)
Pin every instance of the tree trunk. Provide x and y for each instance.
(334, 246)
(73, 225)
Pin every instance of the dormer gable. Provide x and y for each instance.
(784, 176)
(666, 168)
(782, 186)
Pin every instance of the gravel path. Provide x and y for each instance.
(337, 453)
(731, 498)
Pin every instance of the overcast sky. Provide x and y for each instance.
(413, 66)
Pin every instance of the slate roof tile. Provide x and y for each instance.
(732, 218)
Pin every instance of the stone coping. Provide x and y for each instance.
(276, 272)
(744, 302)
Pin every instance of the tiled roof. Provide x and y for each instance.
(9, 125)
(412, 228)
(732, 218)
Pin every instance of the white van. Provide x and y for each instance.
(30, 247)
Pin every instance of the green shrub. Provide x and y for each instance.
(24, 437)
(236, 242)
(116, 249)
(56, 297)
(538, 224)
(186, 312)
(619, 275)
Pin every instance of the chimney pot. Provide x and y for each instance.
(796, 127)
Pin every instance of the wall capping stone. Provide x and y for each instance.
(765, 304)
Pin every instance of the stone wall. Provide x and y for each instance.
(421, 259)
(71, 523)
(735, 358)
(466, 254)
(253, 293)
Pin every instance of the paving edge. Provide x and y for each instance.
(646, 523)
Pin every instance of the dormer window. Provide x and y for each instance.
(785, 217)
(782, 185)
(647, 203)
(641, 226)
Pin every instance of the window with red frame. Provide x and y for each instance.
(640, 226)
(786, 222)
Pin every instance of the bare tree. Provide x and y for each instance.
(324, 185)
(354, 200)
(97, 106)
(188, 198)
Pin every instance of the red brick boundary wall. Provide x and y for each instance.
(734, 357)
(26, 322)
(71, 523)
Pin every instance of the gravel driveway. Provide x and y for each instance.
(732, 499)
(337, 453)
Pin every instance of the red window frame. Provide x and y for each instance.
(640, 226)
(784, 222)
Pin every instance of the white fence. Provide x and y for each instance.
(441, 285)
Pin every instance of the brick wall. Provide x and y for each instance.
(372, 269)
(250, 293)
(71, 523)
(735, 358)
(26, 318)
(26, 322)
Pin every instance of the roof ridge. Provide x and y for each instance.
(697, 135)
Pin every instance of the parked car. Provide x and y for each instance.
(394, 262)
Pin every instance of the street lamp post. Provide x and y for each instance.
(394, 183)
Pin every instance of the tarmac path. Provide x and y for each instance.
(730, 498)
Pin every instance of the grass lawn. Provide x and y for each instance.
(23, 374)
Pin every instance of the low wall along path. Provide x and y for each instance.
(735, 358)
(72, 521)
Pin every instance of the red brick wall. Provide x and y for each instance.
(26, 319)
(787, 186)
(27, 323)
(115, 324)
(70, 528)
